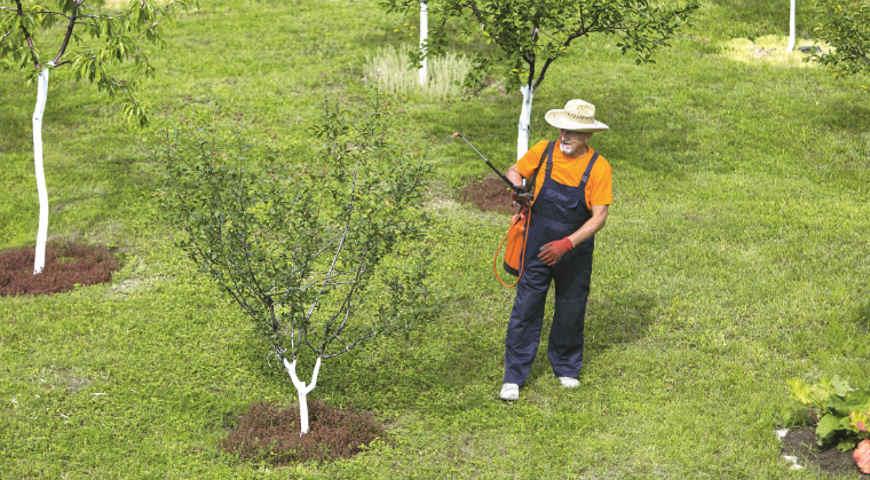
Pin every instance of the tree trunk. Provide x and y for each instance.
(524, 127)
(423, 72)
(791, 27)
(302, 391)
(42, 190)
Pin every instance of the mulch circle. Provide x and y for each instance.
(271, 434)
(67, 264)
(490, 194)
(801, 443)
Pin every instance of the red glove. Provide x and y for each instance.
(552, 252)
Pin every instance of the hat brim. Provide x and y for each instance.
(559, 119)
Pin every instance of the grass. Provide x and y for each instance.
(389, 70)
(735, 257)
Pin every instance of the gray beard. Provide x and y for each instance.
(566, 151)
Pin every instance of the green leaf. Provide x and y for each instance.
(828, 425)
(841, 387)
(846, 445)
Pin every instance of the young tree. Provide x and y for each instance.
(420, 57)
(846, 27)
(323, 256)
(791, 26)
(532, 34)
(93, 41)
(423, 71)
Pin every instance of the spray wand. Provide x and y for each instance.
(518, 190)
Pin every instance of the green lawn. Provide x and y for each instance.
(736, 256)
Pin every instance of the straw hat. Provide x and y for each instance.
(577, 116)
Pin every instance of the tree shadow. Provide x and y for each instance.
(862, 317)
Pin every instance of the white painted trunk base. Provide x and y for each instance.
(423, 72)
(791, 27)
(302, 391)
(524, 126)
(41, 188)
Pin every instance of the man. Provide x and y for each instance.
(572, 191)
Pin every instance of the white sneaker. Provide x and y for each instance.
(509, 392)
(569, 382)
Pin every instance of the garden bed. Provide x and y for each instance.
(271, 434)
(801, 443)
(490, 195)
(67, 264)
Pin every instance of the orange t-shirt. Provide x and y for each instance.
(568, 171)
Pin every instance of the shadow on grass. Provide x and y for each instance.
(611, 321)
(862, 318)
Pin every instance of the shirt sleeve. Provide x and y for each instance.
(600, 187)
(526, 165)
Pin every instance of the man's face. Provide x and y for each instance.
(572, 143)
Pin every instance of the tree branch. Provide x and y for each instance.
(351, 345)
(27, 37)
(565, 44)
(69, 31)
(472, 5)
(530, 59)
(331, 270)
(359, 273)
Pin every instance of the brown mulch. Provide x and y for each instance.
(801, 443)
(269, 433)
(67, 264)
(490, 194)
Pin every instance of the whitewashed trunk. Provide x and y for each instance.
(423, 72)
(791, 27)
(524, 127)
(302, 391)
(41, 188)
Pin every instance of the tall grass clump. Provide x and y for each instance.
(391, 70)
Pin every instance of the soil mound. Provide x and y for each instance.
(490, 194)
(268, 433)
(801, 443)
(67, 264)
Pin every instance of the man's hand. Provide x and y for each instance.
(552, 252)
(521, 199)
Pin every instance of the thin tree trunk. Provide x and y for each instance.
(791, 27)
(423, 72)
(524, 126)
(302, 391)
(42, 190)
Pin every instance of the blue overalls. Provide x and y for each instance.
(559, 210)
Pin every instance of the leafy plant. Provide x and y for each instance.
(94, 41)
(323, 256)
(846, 26)
(527, 36)
(842, 413)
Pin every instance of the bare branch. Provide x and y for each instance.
(362, 269)
(236, 295)
(338, 250)
(351, 345)
(69, 31)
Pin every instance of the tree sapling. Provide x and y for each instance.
(93, 40)
(324, 255)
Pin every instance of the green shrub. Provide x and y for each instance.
(842, 412)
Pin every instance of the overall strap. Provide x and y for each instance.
(588, 170)
(548, 153)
